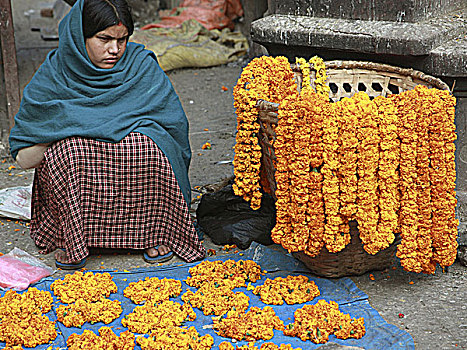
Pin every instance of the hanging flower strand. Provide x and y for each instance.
(408, 214)
(443, 177)
(420, 101)
(317, 108)
(284, 146)
(388, 176)
(367, 166)
(333, 239)
(320, 82)
(257, 81)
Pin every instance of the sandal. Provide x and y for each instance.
(159, 258)
(70, 266)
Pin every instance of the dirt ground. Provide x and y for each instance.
(432, 308)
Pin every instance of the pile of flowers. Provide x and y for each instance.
(256, 324)
(153, 290)
(106, 340)
(386, 163)
(213, 299)
(230, 273)
(149, 317)
(317, 322)
(251, 346)
(176, 338)
(292, 290)
(82, 311)
(22, 321)
(87, 286)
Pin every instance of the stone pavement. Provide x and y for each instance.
(432, 308)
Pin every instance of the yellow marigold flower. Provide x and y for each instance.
(214, 299)
(256, 324)
(87, 286)
(317, 322)
(153, 290)
(150, 317)
(82, 311)
(292, 290)
(176, 338)
(106, 340)
(22, 322)
(230, 273)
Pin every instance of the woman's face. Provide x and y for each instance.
(106, 47)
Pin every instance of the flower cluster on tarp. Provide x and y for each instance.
(161, 322)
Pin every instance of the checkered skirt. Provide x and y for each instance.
(89, 193)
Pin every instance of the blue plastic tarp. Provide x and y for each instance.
(351, 300)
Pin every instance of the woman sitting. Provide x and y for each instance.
(107, 134)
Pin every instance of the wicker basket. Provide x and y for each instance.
(345, 78)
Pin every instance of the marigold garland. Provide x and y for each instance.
(81, 311)
(317, 322)
(87, 286)
(257, 81)
(176, 338)
(213, 299)
(256, 324)
(292, 290)
(283, 146)
(153, 290)
(408, 218)
(387, 163)
(348, 156)
(321, 77)
(335, 237)
(313, 106)
(443, 176)
(388, 175)
(149, 317)
(306, 73)
(367, 166)
(295, 238)
(299, 205)
(423, 187)
(106, 340)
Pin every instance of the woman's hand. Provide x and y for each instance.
(31, 157)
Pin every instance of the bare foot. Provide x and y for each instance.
(61, 256)
(153, 252)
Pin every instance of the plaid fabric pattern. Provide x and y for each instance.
(88, 193)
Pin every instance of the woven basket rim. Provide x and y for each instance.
(383, 67)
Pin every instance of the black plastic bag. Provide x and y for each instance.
(228, 219)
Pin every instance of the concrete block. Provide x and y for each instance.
(380, 37)
(397, 11)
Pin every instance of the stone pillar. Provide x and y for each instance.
(426, 35)
(253, 9)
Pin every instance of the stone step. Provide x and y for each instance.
(379, 37)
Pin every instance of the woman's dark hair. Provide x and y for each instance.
(101, 14)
